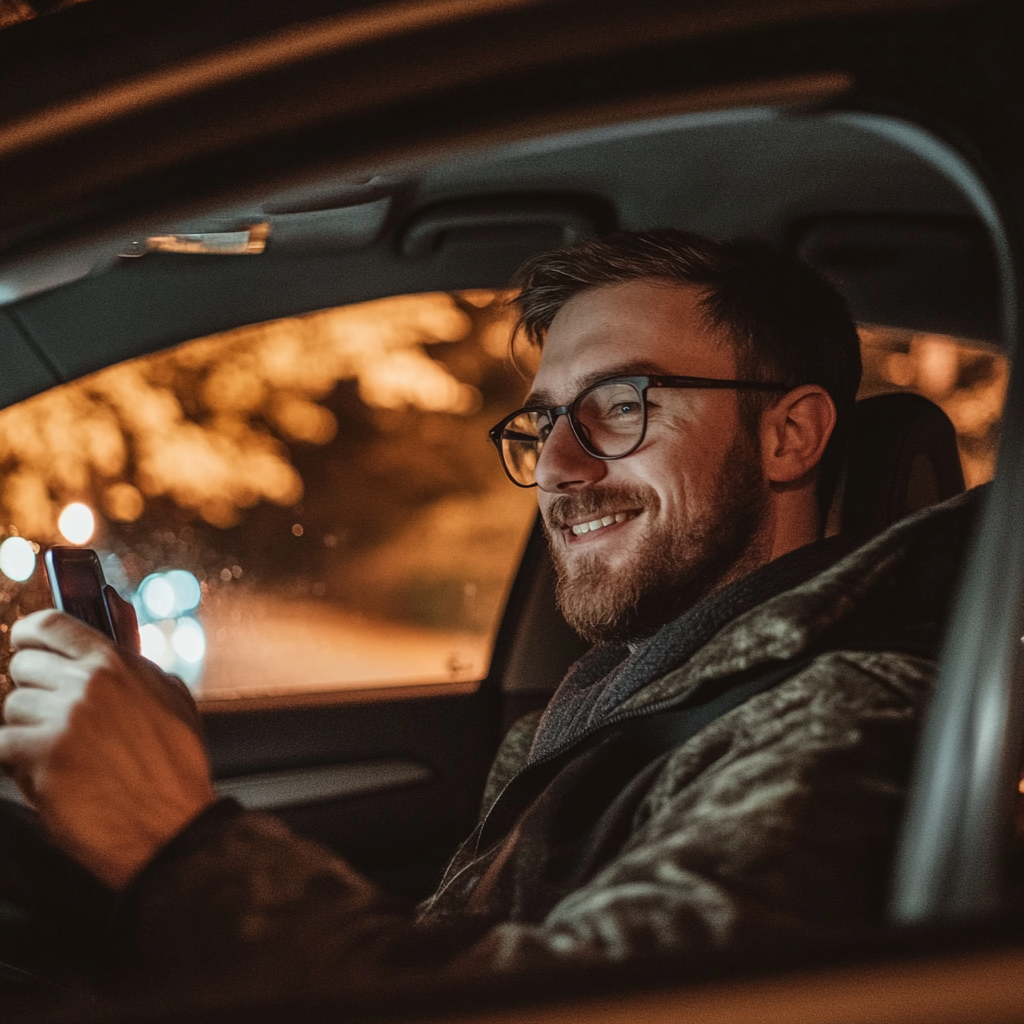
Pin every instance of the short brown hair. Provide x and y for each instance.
(787, 324)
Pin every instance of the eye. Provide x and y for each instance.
(625, 409)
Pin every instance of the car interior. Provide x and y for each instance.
(392, 778)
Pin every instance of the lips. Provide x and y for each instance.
(575, 516)
(599, 524)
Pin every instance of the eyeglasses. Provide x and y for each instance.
(609, 419)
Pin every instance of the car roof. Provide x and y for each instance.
(808, 179)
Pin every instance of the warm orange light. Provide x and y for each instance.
(217, 458)
(968, 380)
(76, 523)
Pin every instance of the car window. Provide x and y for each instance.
(967, 379)
(302, 505)
(312, 504)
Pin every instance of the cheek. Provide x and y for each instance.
(686, 468)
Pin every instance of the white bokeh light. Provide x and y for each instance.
(187, 592)
(189, 641)
(153, 643)
(76, 523)
(158, 597)
(17, 559)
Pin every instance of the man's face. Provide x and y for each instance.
(688, 507)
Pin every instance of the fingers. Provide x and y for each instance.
(42, 669)
(126, 623)
(49, 670)
(30, 706)
(21, 745)
(55, 631)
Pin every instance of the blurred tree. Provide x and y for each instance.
(317, 446)
(208, 423)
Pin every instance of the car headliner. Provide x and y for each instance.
(760, 172)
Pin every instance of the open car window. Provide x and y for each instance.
(298, 506)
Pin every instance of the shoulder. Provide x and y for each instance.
(846, 715)
(836, 701)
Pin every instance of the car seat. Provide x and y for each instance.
(903, 457)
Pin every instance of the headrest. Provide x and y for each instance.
(903, 457)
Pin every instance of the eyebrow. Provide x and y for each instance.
(635, 368)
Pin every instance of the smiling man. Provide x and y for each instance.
(703, 498)
(723, 771)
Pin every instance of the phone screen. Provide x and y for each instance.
(77, 584)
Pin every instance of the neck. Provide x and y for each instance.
(791, 521)
(795, 521)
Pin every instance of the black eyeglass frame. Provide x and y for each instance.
(642, 384)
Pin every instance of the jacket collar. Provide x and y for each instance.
(792, 623)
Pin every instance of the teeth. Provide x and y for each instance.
(596, 524)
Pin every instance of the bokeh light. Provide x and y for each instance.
(171, 637)
(76, 523)
(17, 559)
(153, 643)
(166, 595)
(124, 502)
(202, 424)
(158, 597)
(188, 640)
(186, 589)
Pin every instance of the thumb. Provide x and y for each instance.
(126, 624)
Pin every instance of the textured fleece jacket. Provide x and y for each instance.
(776, 822)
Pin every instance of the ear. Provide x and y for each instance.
(795, 432)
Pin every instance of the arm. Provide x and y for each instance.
(775, 835)
(103, 744)
(785, 834)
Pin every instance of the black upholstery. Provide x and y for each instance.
(903, 457)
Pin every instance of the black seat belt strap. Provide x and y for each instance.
(663, 730)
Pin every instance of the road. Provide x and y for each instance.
(262, 645)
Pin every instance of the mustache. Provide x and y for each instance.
(593, 504)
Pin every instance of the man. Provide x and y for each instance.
(685, 430)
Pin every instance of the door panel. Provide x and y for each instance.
(415, 769)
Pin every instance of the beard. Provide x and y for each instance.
(674, 565)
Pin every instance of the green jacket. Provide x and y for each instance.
(776, 822)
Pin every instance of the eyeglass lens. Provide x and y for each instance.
(609, 421)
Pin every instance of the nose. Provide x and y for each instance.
(563, 464)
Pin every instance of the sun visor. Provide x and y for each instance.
(24, 373)
(926, 274)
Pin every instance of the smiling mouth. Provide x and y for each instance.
(599, 524)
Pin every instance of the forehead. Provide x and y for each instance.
(656, 325)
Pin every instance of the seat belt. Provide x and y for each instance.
(669, 728)
(676, 723)
(652, 733)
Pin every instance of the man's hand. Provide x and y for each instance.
(104, 745)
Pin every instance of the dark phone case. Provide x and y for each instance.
(77, 585)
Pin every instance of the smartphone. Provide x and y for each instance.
(77, 585)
